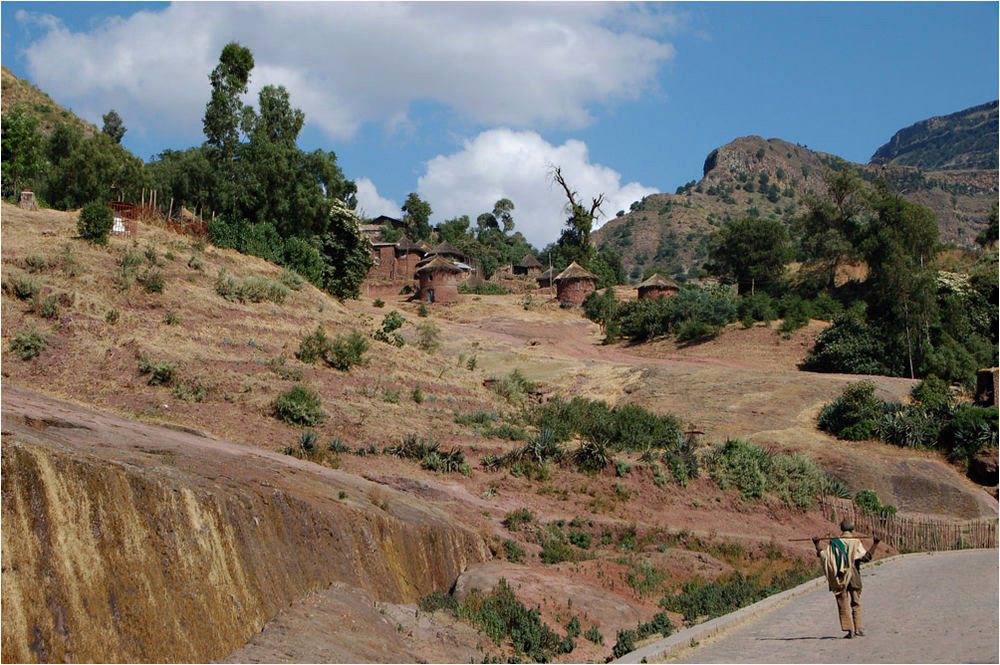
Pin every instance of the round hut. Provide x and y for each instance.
(438, 281)
(448, 251)
(529, 265)
(545, 279)
(657, 287)
(573, 284)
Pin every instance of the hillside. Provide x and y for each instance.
(19, 92)
(963, 140)
(148, 421)
(769, 178)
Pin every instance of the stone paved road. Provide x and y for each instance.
(930, 608)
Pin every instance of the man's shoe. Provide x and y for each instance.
(849, 635)
(859, 633)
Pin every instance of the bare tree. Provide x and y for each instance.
(575, 239)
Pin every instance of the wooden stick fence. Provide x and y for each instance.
(913, 534)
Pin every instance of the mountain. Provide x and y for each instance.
(19, 92)
(769, 178)
(964, 140)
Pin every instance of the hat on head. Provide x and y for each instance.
(847, 525)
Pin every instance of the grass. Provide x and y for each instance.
(28, 342)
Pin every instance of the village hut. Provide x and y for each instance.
(424, 247)
(383, 260)
(438, 280)
(529, 265)
(448, 251)
(573, 284)
(408, 255)
(545, 279)
(656, 287)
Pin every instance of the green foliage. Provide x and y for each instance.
(513, 386)
(852, 416)
(515, 519)
(594, 635)
(387, 331)
(849, 345)
(417, 214)
(192, 390)
(22, 150)
(628, 427)
(417, 395)
(753, 472)
(868, 500)
(251, 289)
(28, 342)
(94, 222)
(695, 312)
(501, 616)
(625, 643)
(346, 351)
(436, 600)
(971, 430)
(428, 337)
(113, 126)
(160, 373)
(513, 551)
(750, 252)
(152, 281)
(299, 406)
(21, 287)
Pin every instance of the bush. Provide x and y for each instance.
(28, 342)
(852, 416)
(47, 307)
(94, 222)
(868, 500)
(972, 429)
(625, 643)
(387, 331)
(299, 406)
(849, 346)
(152, 281)
(160, 373)
(428, 337)
(594, 635)
(347, 351)
(513, 551)
(515, 519)
(21, 287)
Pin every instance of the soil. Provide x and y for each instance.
(745, 383)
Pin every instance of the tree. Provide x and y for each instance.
(225, 115)
(574, 242)
(751, 252)
(22, 147)
(417, 214)
(346, 252)
(500, 218)
(829, 230)
(113, 126)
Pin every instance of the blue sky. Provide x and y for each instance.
(466, 103)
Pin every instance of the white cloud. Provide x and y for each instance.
(344, 64)
(503, 163)
(370, 204)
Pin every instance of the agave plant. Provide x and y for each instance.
(592, 456)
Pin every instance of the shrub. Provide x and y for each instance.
(428, 337)
(436, 600)
(515, 519)
(555, 550)
(739, 464)
(513, 551)
(291, 279)
(378, 302)
(28, 342)
(299, 406)
(417, 395)
(193, 390)
(21, 287)
(972, 429)
(868, 500)
(387, 331)
(160, 373)
(513, 386)
(581, 539)
(152, 281)
(500, 615)
(625, 643)
(347, 351)
(94, 222)
(853, 415)
(594, 635)
(422, 311)
(47, 307)
(850, 346)
(592, 456)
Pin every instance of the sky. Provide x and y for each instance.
(465, 103)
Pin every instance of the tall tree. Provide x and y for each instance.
(829, 230)
(574, 242)
(23, 157)
(225, 115)
(500, 218)
(113, 126)
(417, 215)
(750, 252)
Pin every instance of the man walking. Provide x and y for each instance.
(841, 560)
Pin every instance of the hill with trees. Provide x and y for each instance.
(772, 179)
(963, 140)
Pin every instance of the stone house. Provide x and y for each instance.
(438, 280)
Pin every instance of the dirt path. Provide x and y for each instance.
(930, 608)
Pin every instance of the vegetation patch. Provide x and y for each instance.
(299, 406)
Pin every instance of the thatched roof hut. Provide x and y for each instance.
(545, 279)
(657, 286)
(447, 249)
(574, 283)
(438, 280)
(529, 265)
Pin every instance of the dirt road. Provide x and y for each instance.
(926, 608)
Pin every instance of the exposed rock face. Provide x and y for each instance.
(963, 140)
(117, 552)
(983, 468)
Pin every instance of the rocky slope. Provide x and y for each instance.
(129, 542)
(963, 140)
(770, 179)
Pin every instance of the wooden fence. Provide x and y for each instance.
(913, 534)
